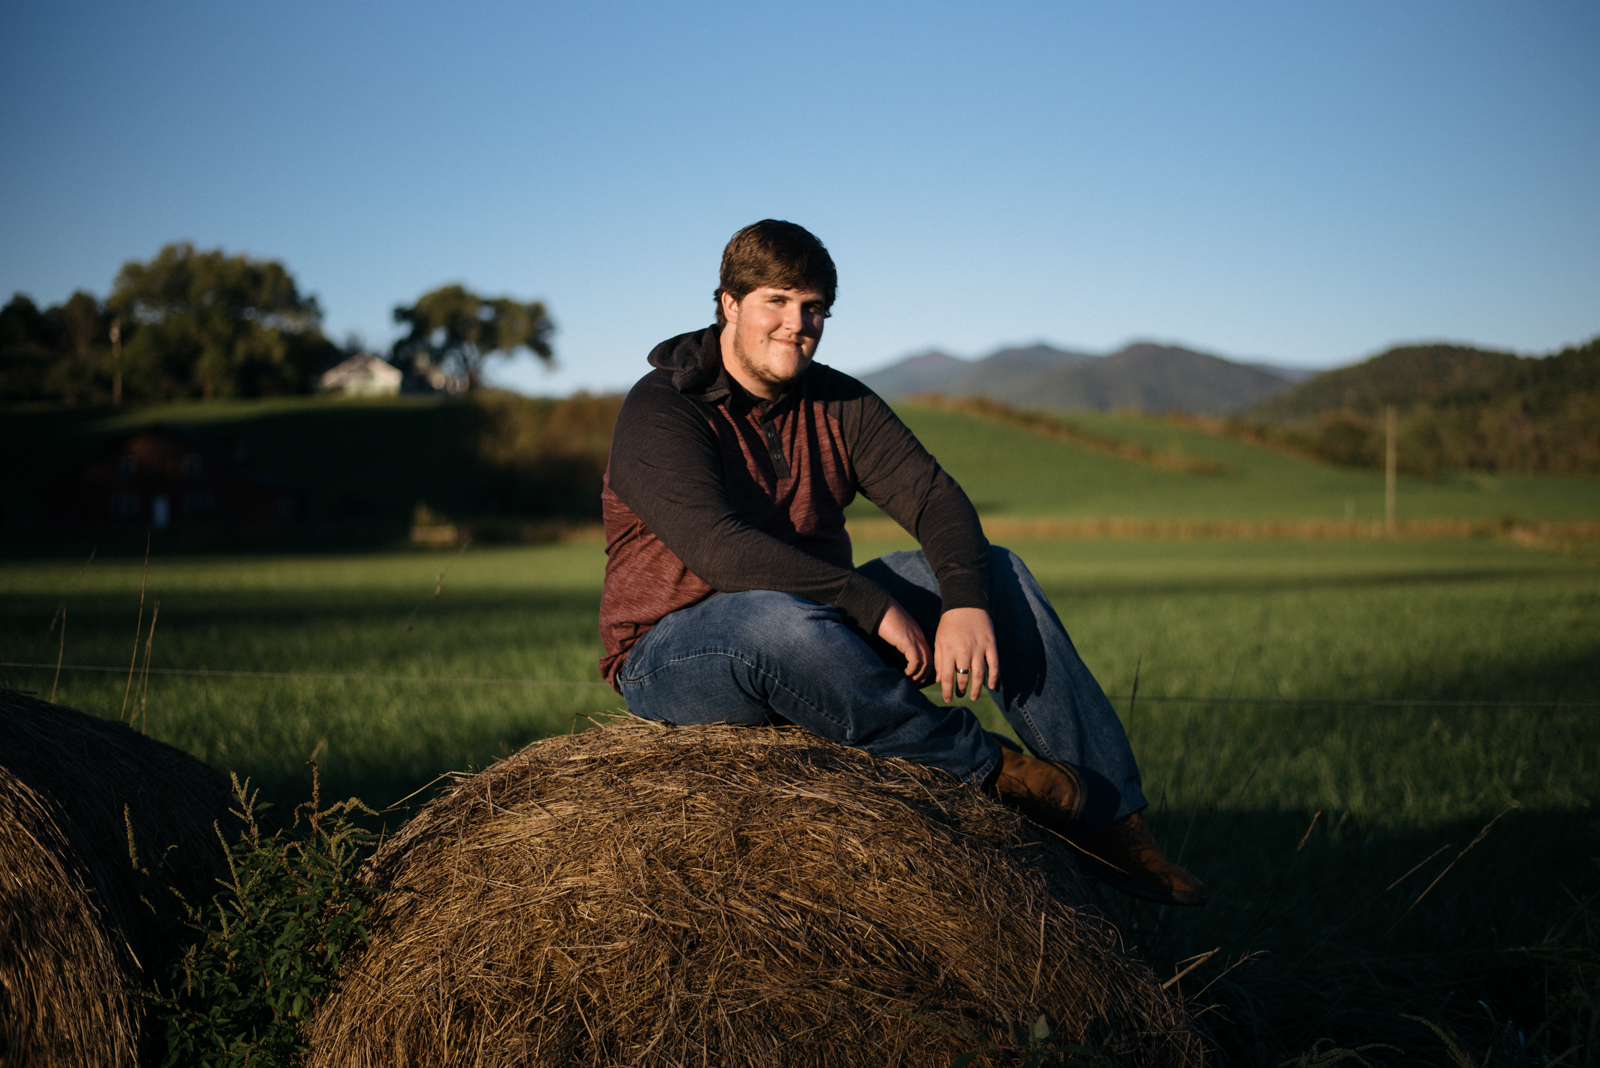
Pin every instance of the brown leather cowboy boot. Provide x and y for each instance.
(1126, 857)
(1045, 791)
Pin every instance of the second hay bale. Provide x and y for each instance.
(729, 896)
(82, 929)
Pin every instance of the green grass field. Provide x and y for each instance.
(1235, 785)
(1258, 664)
(1010, 473)
(1459, 620)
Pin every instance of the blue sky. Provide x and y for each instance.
(1301, 182)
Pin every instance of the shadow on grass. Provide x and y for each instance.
(1343, 931)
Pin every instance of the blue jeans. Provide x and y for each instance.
(763, 657)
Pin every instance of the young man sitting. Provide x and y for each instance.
(731, 595)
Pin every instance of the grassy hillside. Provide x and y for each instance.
(367, 465)
(1012, 473)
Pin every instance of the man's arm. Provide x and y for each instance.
(896, 473)
(666, 467)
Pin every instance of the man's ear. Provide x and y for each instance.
(730, 308)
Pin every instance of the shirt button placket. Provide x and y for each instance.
(780, 463)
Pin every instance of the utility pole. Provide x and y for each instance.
(116, 363)
(1389, 465)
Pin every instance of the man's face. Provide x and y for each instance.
(771, 336)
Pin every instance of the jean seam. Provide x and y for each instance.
(1038, 735)
(731, 654)
(695, 655)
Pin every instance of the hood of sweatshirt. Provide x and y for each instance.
(695, 360)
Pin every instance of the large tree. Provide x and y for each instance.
(454, 329)
(212, 324)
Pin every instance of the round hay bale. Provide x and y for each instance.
(729, 896)
(81, 928)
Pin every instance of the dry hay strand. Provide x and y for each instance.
(642, 895)
(98, 826)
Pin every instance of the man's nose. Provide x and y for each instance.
(798, 320)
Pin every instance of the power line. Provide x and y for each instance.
(347, 676)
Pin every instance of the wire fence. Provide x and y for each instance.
(341, 676)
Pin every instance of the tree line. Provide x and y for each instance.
(205, 324)
(1456, 408)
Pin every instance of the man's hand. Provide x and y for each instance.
(902, 632)
(966, 641)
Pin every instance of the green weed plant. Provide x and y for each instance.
(268, 946)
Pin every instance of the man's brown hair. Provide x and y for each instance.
(777, 254)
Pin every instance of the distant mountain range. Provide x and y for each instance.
(1143, 376)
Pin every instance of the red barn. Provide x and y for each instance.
(169, 477)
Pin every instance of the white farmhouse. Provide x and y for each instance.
(362, 376)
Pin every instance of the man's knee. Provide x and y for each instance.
(767, 619)
(1002, 559)
(1007, 566)
(1018, 597)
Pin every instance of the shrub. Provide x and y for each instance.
(270, 943)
